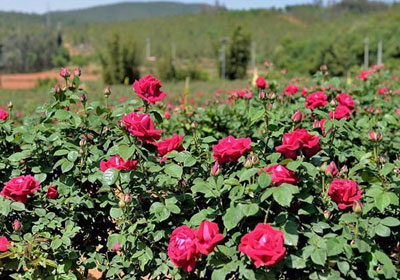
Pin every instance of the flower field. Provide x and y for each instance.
(273, 181)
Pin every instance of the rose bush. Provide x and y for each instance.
(245, 190)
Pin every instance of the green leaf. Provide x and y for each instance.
(66, 166)
(110, 176)
(62, 114)
(250, 209)
(387, 169)
(160, 211)
(344, 267)
(18, 206)
(296, 262)
(233, 216)
(125, 151)
(248, 173)
(318, 256)
(382, 230)
(291, 234)
(116, 213)
(382, 201)
(219, 274)
(72, 156)
(174, 170)
(283, 194)
(390, 222)
(56, 243)
(264, 180)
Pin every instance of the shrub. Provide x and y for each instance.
(232, 190)
(119, 60)
(238, 54)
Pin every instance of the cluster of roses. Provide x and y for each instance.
(18, 189)
(264, 245)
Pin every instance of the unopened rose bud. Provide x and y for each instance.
(343, 170)
(10, 105)
(333, 102)
(262, 94)
(127, 198)
(373, 136)
(352, 242)
(249, 162)
(17, 225)
(331, 170)
(64, 73)
(194, 125)
(57, 88)
(82, 142)
(116, 247)
(324, 67)
(255, 159)
(397, 170)
(216, 169)
(357, 207)
(378, 268)
(323, 167)
(382, 159)
(327, 214)
(83, 98)
(107, 91)
(77, 72)
(272, 96)
(297, 116)
(121, 204)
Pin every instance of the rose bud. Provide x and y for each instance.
(57, 88)
(17, 225)
(357, 207)
(82, 142)
(10, 105)
(107, 91)
(216, 169)
(272, 96)
(374, 136)
(327, 214)
(116, 247)
(121, 203)
(333, 102)
(352, 242)
(262, 94)
(83, 98)
(195, 125)
(167, 115)
(261, 83)
(52, 192)
(78, 72)
(127, 198)
(207, 236)
(255, 159)
(249, 162)
(382, 159)
(323, 167)
(343, 170)
(64, 72)
(297, 116)
(331, 170)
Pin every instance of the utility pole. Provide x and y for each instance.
(380, 50)
(224, 40)
(254, 55)
(366, 53)
(148, 47)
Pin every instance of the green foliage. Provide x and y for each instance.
(238, 54)
(62, 57)
(119, 60)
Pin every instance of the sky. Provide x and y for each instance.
(41, 6)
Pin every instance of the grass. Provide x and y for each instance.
(26, 101)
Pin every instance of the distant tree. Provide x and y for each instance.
(119, 60)
(28, 51)
(238, 54)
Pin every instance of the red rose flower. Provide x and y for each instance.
(167, 115)
(142, 126)
(345, 100)
(182, 249)
(280, 175)
(261, 83)
(398, 112)
(304, 91)
(148, 88)
(119, 163)
(344, 192)
(3, 115)
(19, 188)
(296, 140)
(207, 236)
(4, 243)
(316, 99)
(320, 124)
(340, 113)
(170, 144)
(264, 245)
(52, 192)
(230, 149)
(291, 89)
(383, 90)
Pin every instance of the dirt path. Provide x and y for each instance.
(28, 81)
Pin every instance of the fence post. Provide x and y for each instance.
(380, 50)
(148, 47)
(366, 53)
(223, 57)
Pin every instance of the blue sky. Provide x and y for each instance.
(40, 6)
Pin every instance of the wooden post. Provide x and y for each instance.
(148, 47)
(223, 57)
(380, 50)
(366, 53)
(254, 55)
